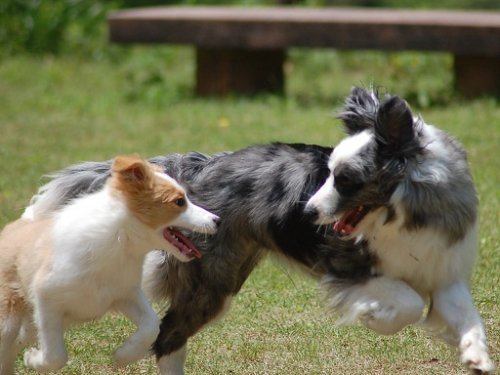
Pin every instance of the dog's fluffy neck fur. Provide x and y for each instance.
(431, 195)
(112, 227)
(442, 187)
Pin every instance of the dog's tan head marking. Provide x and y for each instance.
(151, 195)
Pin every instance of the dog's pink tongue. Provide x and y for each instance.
(181, 242)
(347, 223)
(342, 227)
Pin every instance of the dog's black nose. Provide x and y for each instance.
(217, 221)
(311, 213)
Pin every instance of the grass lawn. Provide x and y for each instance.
(59, 111)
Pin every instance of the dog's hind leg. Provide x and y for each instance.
(27, 333)
(13, 315)
(454, 307)
(173, 363)
(9, 346)
(183, 320)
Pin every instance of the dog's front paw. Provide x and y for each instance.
(384, 305)
(381, 319)
(127, 354)
(477, 360)
(373, 315)
(35, 359)
(388, 319)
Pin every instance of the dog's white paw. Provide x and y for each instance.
(384, 305)
(381, 319)
(35, 359)
(477, 359)
(374, 315)
(387, 319)
(127, 354)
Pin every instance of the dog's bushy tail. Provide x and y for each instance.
(67, 185)
(90, 176)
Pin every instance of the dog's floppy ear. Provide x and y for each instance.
(131, 168)
(394, 125)
(360, 110)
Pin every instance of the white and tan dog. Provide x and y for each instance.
(86, 259)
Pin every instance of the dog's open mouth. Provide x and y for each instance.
(348, 221)
(181, 242)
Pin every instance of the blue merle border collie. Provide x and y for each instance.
(389, 227)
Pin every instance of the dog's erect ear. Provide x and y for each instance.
(131, 168)
(360, 110)
(394, 125)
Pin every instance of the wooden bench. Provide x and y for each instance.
(243, 49)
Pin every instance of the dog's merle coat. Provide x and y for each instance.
(260, 193)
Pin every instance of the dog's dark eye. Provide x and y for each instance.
(181, 202)
(347, 184)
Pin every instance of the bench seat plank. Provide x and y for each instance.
(469, 35)
(389, 29)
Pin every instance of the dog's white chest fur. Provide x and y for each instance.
(423, 258)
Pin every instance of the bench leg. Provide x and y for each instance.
(477, 75)
(220, 71)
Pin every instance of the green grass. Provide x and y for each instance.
(59, 111)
